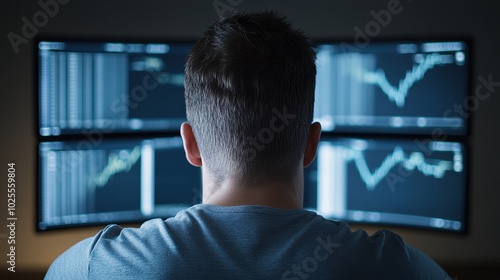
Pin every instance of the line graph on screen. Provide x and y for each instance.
(414, 161)
(398, 94)
(122, 161)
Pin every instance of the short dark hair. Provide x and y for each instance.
(249, 88)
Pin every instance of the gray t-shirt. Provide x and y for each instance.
(243, 242)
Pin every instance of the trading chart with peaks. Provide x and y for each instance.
(419, 182)
(116, 180)
(392, 87)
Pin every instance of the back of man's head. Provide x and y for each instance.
(249, 86)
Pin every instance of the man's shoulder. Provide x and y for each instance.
(202, 216)
(289, 238)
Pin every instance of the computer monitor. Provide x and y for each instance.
(110, 86)
(114, 181)
(419, 183)
(110, 111)
(393, 86)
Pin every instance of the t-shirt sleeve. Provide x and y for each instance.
(423, 266)
(74, 262)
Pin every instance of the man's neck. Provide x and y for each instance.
(279, 194)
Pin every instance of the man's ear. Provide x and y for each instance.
(312, 143)
(193, 155)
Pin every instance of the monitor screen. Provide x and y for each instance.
(419, 183)
(114, 181)
(410, 87)
(110, 86)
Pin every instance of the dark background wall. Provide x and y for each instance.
(187, 19)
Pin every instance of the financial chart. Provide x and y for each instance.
(394, 146)
(116, 180)
(109, 86)
(420, 183)
(394, 87)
